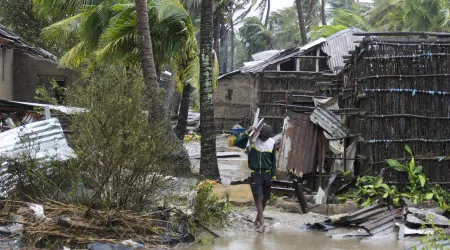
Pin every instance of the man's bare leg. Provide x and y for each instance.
(260, 216)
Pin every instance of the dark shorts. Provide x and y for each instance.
(261, 185)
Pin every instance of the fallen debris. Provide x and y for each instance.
(320, 226)
(361, 215)
(426, 217)
(81, 225)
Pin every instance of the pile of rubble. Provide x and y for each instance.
(382, 220)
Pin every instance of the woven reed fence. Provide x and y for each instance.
(402, 88)
(276, 89)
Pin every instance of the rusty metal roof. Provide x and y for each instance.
(324, 118)
(298, 145)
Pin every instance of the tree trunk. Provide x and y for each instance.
(233, 48)
(145, 45)
(224, 49)
(322, 13)
(183, 113)
(266, 22)
(157, 110)
(175, 105)
(216, 30)
(208, 161)
(301, 21)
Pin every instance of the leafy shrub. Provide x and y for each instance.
(370, 188)
(208, 209)
(121, 156)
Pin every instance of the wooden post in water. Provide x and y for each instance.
(300, 195)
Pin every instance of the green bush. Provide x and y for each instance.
(208, 209)
(121, 156)
(370, 188)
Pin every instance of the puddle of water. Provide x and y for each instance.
(293, 241)
(231, 169)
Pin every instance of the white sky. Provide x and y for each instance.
(279, 4)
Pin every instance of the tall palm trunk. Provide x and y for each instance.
(145, 45)
(183, 113)
(301, 21)
(322, 13)
(208, 160)
(217, 33)
(233, 45)
(266, 22)
(149, 72)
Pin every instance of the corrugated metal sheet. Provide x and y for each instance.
(361, 215)
(265, 55)
(60, 108)
(338, 45)
(329, 122)
(41, 140)
(298, 145)
(384, 224)
(283, 55)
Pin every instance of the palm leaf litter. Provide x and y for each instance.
(77, 225)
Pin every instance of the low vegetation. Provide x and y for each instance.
(209, 210)
(370, 189)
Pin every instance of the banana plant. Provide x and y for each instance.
(415, 172)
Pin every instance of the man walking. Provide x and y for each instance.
(262, 164)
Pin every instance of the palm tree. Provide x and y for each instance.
(342, 19)
(426, 15)
(109, 31)
(285, 28)
(208, 160)
(322, 13)
(145, 47)
(256, 36)
(392, 15)
(301, 20)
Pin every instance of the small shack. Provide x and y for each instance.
(297, 75)
(24, 67)
(399, 84)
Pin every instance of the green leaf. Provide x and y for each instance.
(412, 165)
(368, 202)
(396, 165)
(422, 180)
(385, 195)
(418, 169)
(408, 149)
(429, 196)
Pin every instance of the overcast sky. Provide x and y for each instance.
(279, 4)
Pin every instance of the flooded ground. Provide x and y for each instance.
(284, 232)
(283, 229)
(231, 169)
(294, 241)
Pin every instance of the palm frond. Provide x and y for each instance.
(75, 56)
(64, 29)
(344, 17)
(54, 8)
(326, 31)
